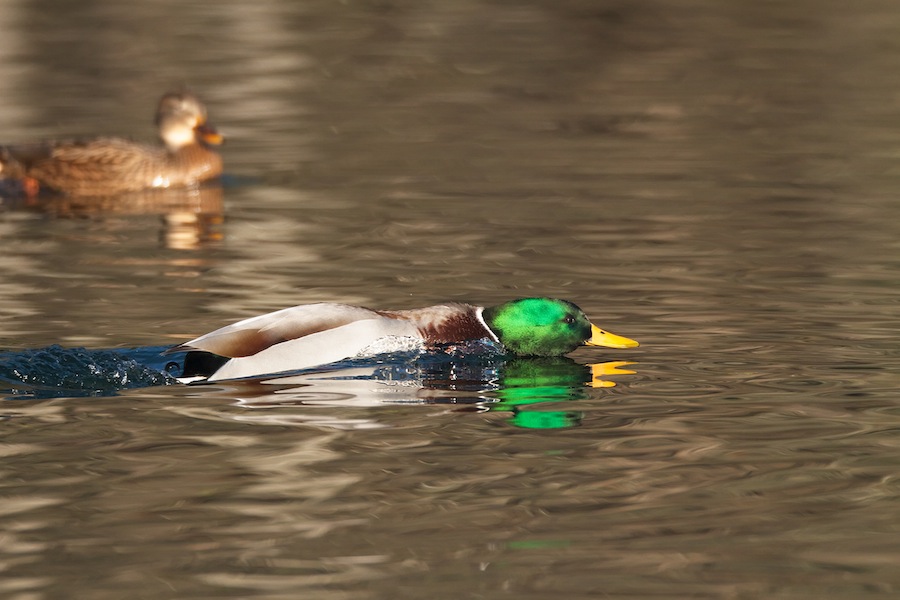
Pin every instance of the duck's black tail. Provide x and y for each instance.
(202, 364)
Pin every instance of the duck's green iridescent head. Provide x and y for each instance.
(547, 327)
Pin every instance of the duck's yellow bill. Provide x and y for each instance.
(209, 135)
(609, 340)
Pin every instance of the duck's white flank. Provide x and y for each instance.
(316, 349)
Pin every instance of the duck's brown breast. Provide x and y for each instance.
(444, 323)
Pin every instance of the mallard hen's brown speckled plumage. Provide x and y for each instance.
(104, 166)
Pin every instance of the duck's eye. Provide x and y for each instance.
(569, 319)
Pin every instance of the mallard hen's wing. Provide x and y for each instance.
(103, 165)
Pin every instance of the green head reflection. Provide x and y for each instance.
(545, 419)
(530, 381)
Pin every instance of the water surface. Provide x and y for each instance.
(717, 181)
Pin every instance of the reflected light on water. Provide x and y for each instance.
(515, 386)
(717, 180)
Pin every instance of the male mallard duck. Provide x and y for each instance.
(106, 166)
(317, 334)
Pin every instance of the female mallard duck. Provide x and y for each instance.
(105, 166)
(317, 334)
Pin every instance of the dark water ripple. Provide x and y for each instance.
(55, 371)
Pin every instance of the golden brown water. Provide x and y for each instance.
(717, 180)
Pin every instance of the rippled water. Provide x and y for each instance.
(716, 180)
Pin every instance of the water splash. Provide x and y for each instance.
(475, 375)
(54, 372)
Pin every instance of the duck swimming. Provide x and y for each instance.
(317, 334)
(109, 165)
